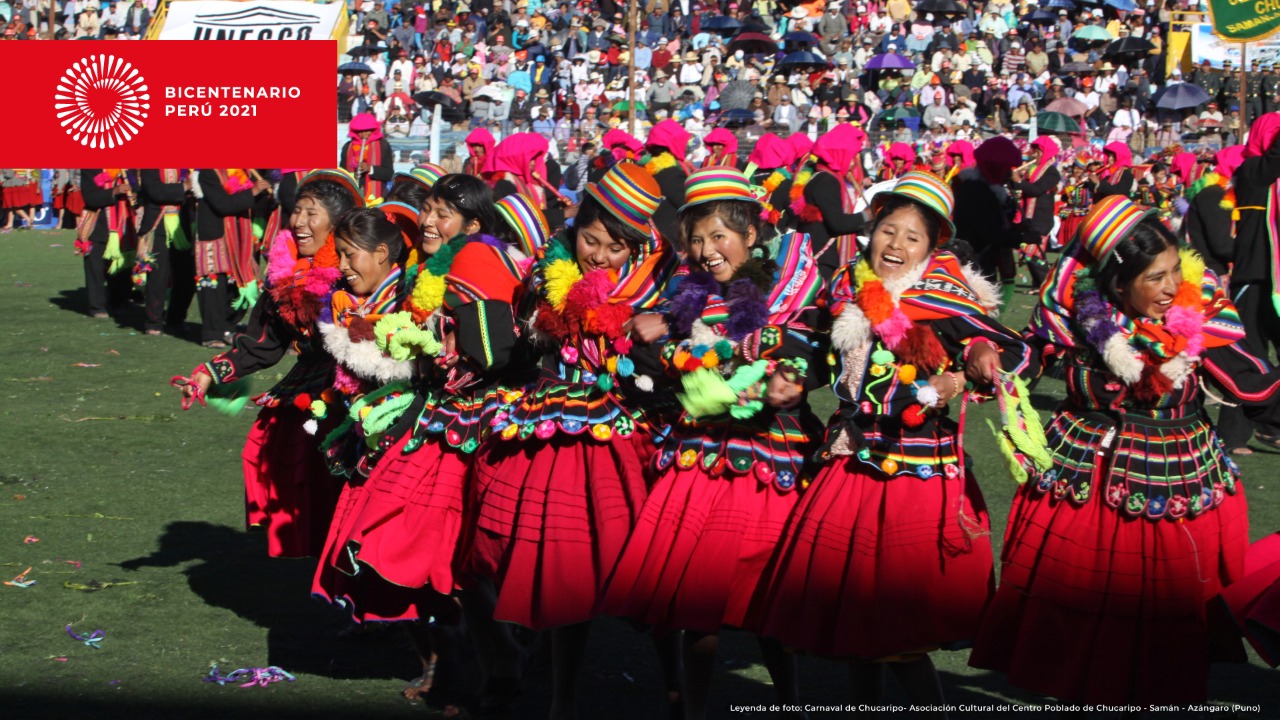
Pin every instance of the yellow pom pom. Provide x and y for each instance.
(364, 411)
(602, 432)
(889, 466)
(1192, 266)
(319, 408)
(877, 370)
(510, 431)
(907, 373)
(711, 360)
(428, 292)
(612, 364)
(561, 276)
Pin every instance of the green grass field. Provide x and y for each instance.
(120, 486)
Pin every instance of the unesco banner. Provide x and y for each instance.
(274, 20)
(1244, 20)
(183, 103)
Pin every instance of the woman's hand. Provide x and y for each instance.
(983, 363)
(948, 386)
(647, 327)
(449, 356)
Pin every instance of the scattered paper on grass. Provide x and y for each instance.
(248, 677)
(38, 378)
(85, 365)
(95, 585)
(134, 418)
(19, 498)
(113, 352)
(93, 639)
(93, 516)
(21, 580)
(30, 540)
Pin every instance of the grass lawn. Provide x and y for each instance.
(105, 480)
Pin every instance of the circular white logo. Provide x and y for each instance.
(102, 101)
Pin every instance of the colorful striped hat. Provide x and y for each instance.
(1109, 221)
(717, 183)
(405, 217)
(425, 175)
(629, 193)
(334, 175)
(927, 190)
(527, 220)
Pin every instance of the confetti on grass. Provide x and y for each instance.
(248, 677)
(21, 580)
(91, 640)
(95, 585)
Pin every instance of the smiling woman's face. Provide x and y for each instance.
(596, 249)
(899, 242)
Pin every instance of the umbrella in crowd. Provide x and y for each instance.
(1092, 34)
(737, 117)
(1056, 122)
(723, 25)
(366, 50)
(1125, 5)
(1129, 46)
(492, 92)
(753, 27)
(1059, 5)
(1182, 96)
(890, 61)
(1040, 17)
(427, 99)
(902, 112)
(800, 38)
(802, 59)
(753, 43)
(1070, 107)
(354, 67)
(940, 7)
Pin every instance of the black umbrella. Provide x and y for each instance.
(725, 26)
(354, 67)
(366, 50)
(940, 7)
(753, 44)
(1181, 96)
(427, 99)
(738, 117)
(754, 27)
(800, 38)
(1129, 46)
(1040, 17)
(802, 59)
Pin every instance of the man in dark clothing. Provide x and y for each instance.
(985, 209)
(1270, 89)
(224, 248)
(1251, 280)
(106, 292)
(163, 232)
(1208, 80)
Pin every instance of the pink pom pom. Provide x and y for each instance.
(345, 382)
(280, 260)
(894, 328)
(1189, 324)
(592, 290)
(320, 280)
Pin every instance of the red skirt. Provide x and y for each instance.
(368, 596)
(1068, 227)
(698, 551)
(1098, 607)
(410, 515)
(550, 519)
(872, 567)
(1254, 601)
(70, 200)
(23, 196)
(287, 487)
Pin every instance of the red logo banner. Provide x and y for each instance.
(169, 103)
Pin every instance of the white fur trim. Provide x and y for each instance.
(906, 280)
(1121, 359)
(702, 334)
(363, 359)
(851, 329)
(987, 291)
(1177, 368)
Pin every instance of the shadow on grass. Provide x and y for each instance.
(234, 572)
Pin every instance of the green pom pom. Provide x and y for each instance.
(724, 349)
(882, 357)
(706, 393)
(229, 398)
(605, 382)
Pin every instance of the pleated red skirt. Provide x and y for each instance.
(550, 518)
(698, 551)
(288, 490)
(1098, 607)
(368, 596)
(409, 517)
(1254, 601)
(22, 196)
(1068, 227)
(872, 567)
